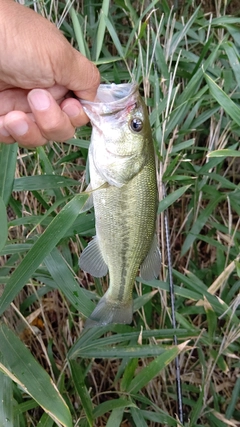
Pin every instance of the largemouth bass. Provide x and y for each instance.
(124, 191)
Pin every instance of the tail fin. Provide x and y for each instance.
(110, 312)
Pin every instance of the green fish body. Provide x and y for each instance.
(124, 191)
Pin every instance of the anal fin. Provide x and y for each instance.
(150, 267)
(91, 260)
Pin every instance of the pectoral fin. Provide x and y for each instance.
(91, 260)
(89, 202)
(90, 191)
(150, 267)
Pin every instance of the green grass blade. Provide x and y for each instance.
(66, 282)
(42, 182)
(78, 33)
(80, 386)
(101, 27)
(177, 289)
(138, 417)
(233, 58)
(128, 373)
(234, 399)
(115, 419)
(183, 145)
(225, 20)
(198, 224)
(171, 198)
(15, 248)
(47, 167)
(234, 32)
(197, 409)
(3, 222)
(224, 100)
(44, 161)
(215, 420)
(45, 421)
(119, 352)
(218, 305)
(194, 83)
(160, 59)
(82, 143)
(226, 152)
(26, 405)
(181, 34)
(154, 367)
(114, 36)
(43, 246)
(26, 371)
(8, 157)
(92, 341)
(6, 399)
(160, 418)
(110, 405)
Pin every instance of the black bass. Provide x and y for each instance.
(124, 191)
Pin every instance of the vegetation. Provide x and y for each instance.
(52, 373)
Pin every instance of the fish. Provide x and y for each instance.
(123, 187)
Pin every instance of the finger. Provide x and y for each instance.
(16, 99)
(4, 134)
(13, 99)
(75, 112)
(23, 129)
(53, 123)
(58, 92)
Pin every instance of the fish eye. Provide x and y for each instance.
(136, 124)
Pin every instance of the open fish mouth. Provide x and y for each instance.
(110, 93)
(111, 99)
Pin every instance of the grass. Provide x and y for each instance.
(186, 62)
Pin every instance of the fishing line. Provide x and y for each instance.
(174, 323)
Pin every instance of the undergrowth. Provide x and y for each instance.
(187, 64)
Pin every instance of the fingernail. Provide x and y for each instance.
(19, 127)
(71, 110)
(4, 132)
(39, 99)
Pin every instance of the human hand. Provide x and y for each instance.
(38, 68)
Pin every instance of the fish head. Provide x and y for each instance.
(121, 134)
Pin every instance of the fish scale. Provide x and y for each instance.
(121, 159)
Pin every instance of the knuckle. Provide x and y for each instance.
(59, 132)
(51, 124)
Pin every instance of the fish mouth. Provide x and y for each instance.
(112, 99)
(108, 93)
